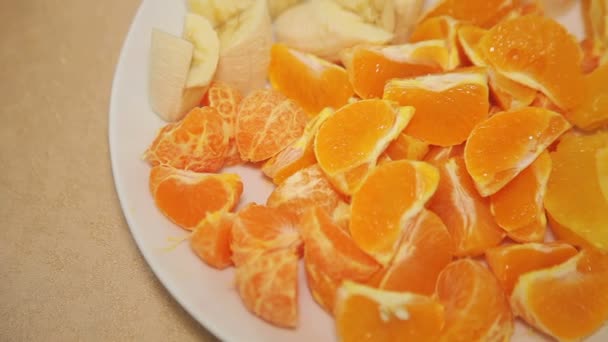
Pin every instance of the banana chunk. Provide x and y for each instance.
(218, 11)
(199, 32)
(276, 7)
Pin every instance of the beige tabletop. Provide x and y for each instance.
(69, 269)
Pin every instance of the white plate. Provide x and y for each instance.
(207, 294)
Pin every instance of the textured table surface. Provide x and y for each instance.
(69, 269)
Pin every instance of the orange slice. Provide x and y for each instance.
(266, 122)
(592, 113)
(476, 308)
(407, 147)
(484, 13)
(186, 197)
(568, 301)
(367, 314)
(393, 194)
(466, 214)
(349, 142)
(441, 27)
(505, 144)
(595, 15)
(370, 67)
(437, 155)
(211, 239)
(448, 106)
(508, 263)
(311, 82)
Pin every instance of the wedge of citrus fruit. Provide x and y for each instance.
(266, 122)
(407, 147)
(211, 239)
(441, 27)
(367, 314)
(350, 141)
(484, 13)
(476, 308)
(592, 113)
(509, 262)
(568, 301)
(370, 67)
(392, 195)
(503, 145)
(466, 214)
(198, 142)
(186, 197)
(448, 106)
(595, 15)
(437, 155)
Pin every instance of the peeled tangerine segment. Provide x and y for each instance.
(442, 27)
(350, 141)
(407, 147)
(310, 81)
(211, 238)
(592, 113)
(540, 53)
(502, 146)
(465, 213)
(367, 314)
(448, 106)
(476, 308)
(484, 13)
(568, 301)
(371, 67)
(390, 197)
(575, 201)
(186, 197)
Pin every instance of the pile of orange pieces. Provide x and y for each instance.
(420, 183)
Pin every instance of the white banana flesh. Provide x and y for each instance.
(218, 11)
(199, 32)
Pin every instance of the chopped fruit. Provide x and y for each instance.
(448, 106)
(407, 147)
(371, 67)
(476, 308)
(350, 141)
(267, 122)
(502, 146)
(595, 15)
(437, 154)
(331, 256)
(258, 229)
(539, 53)
(367, 314)
(297, 155)
(424, 250)
(568, 301)
(510, 262)
(484, 13)
(310, 81)
(519, 205)
(305, 189)
(592, 113)
(186, 197)
(392, 195)
(197, 143)
(268, 286)
(574, 201)
(442, 27)
(466, 214)
(211, 238)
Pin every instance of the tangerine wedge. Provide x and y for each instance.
(592, 113)
(350, 141)
(367, 314)
(310, 81)
(595, 15)
(407, 147)
(186, 197)
(568, 301)
(476, 308)
(438, 155)
(393, 194)
(441, 27)
(484, 13)
(211, 239)
(508, 263)
(503, 145)
(266, 122)
(448, 106)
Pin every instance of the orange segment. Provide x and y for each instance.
(592, 113)
(266, 122)
(595, 15)
(407, 147)
(508, 263)
(424, 250)
(186, 197)
(466, 214)
(370, 67)
(476, 308)
(258, 229)
(438, 155)
(197, 143)
(539, 53)
(367, 314)
(391, 196)
(568, 301)
(574, 198)
(268, 286)
(601, 161)
(441, 27)
(349, 142)
(331, 257)
(448, 106)
(505, 144)
(297, 155)
(211, 238)
(484, 13)
(311, 82)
